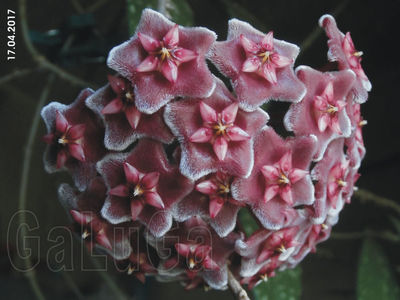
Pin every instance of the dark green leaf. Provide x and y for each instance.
(247, 221)
(375, 279)
(396, 223)
(286, 285)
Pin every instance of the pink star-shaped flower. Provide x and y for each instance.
(195, 251)
(124, 124)
(355, 143)
(75, 139)
(213, 201)
(215, 135)
(260, 67)
(84, 208)
(322, 111)
(279, 180)
(342, 50)
(331, 176)
(266, 272)
(142, 185)
(163, 61)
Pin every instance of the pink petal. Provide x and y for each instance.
(348, 45)
(48, 138)
(136, 209)
(182, 249)
(141, 277)
(280, 61)
(202, 252)
(297, 174)
(237, 134)
(117, 84)
(328, 91)
(323, 122)
(208, 114)
(285, 162)
(340, 105)
(319, 103)
(209, 264)
(76, 151)
(61, 122)
(201, 135)
(81, 218)
(269, 73)
(264, 255)
(251, 64)
(113, 107)
(270, 173)
(150, 180)
(229, 113)
(171, 263)
(215, 206)
(120, 191)
(171, 39)
(131, 173)
(248, 45)
(268, 41)
(170, 70)
(270, 192)
(335, 125)
(286, 195)
(76, 132)
(61, 158)
(154, 199)
(133, 116)
(207, 187)
(148, 43)
(332, 189)
(184, 55)
(220, 148)
(103, 240)
(150, 63)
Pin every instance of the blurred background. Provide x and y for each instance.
(362, 258)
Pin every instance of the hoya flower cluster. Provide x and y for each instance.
(165, 155)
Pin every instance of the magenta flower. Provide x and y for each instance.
(266, 272)
(213, 201)
(84, 209)
(215, 135)
(279, 180)
(342, 50)
(331, 176)
(138, 265)
(355, 143)
(163, 61)
(197, 251)
(322, 111)
(143, 186)
(124, 124)
(75, 139)
(260, 67)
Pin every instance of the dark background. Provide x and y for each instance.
(329, 274)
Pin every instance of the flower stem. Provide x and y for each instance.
(236, 288)
(30, 272)
(367, 196)
(39, 58)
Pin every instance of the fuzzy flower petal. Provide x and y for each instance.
(259, 66)
(163, 61)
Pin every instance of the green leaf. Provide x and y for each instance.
(286, 285)
(375, 279)
(395, 223)
(177, 10)
(249, 224)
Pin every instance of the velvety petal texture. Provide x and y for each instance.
(75, 139)
(322, 112)
(163, 61)
(142, 185)
(213, 149)
(342, 50)
(279, 180)
(124, 124)
(259, 66)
